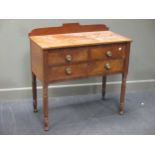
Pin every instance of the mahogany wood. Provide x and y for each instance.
(68, 28)
(78, 39)
(34, 92)
(58, 56)
(104, 79)
(71, 59)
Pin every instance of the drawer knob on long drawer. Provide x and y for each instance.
(107, 66)
(109, 53)
(68, 71)
(120, 48)
(68, 58)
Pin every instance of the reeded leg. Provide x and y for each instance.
(103, 86)
(122, 96)
(34, 92)
(45, 106)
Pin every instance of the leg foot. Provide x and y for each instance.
(46, 124)
(121, 112)
(45, 128)
(35, 110)
(35, 106)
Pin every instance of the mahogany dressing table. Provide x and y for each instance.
(75, 51)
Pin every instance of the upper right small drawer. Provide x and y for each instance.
(111, 51)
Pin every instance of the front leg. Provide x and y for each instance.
(34, 92)
(45, 105)
(122, 96)
(103, 86)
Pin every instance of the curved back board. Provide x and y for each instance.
(68, 28)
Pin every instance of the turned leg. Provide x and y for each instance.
(45, 106)
(122, 96)
(34, 92)
(103, 86)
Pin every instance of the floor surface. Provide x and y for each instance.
(82, 115)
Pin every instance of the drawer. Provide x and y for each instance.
(94, 68)
(67, 72)
(67, 56)
(106, 67)
(114, 51)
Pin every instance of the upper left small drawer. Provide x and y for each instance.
(66, 56)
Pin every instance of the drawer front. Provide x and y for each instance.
(67, 72)
(67, 56)
(114, 51)
(106, 67)
(94, 68)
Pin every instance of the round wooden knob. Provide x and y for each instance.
(68, 58)
(107, 66)
(68, 71)
(109, 53)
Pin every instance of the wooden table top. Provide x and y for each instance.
(78, 39)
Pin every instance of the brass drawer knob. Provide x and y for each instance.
(109, 53)
(107, 66)
(68, 58)
(68, 71)
(120, 48)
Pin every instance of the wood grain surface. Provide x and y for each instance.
(78, 39)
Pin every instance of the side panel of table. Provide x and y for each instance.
(39, 70)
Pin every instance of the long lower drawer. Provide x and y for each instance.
(94, 68)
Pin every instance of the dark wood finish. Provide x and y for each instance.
(99, 67)
(45, 105)
(73, 59)
(122, 97)
(59, 73)
(101, 52)
(68, 28)
(104, 79)
(94, 68)
(37, 61)
(124, 78)
(59, 56)
(34, 92)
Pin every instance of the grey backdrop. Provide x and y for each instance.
(15, 53)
